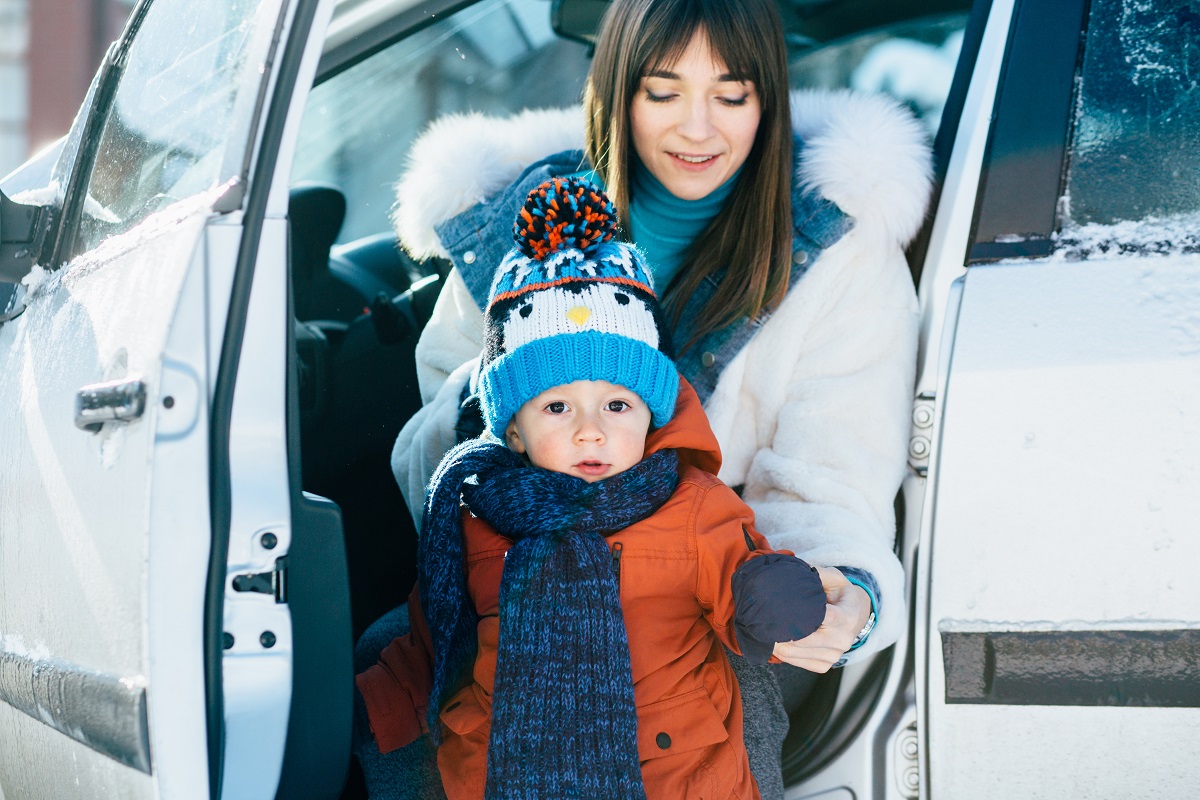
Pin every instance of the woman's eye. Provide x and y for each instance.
(617, 406)
(557, 407)
(658, 98)
(734, 101)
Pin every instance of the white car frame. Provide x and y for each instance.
(175, 608)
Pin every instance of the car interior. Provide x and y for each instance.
(360, 301)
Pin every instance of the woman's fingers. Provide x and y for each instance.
(815, 653)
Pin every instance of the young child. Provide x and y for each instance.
(581, 568)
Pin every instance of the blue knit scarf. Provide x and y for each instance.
(564, 723)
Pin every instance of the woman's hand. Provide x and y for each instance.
(846, 612)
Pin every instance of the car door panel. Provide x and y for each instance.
(109, 532)
(1063, 626)
(1057, 624)
(103, 317)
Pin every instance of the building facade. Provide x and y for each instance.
(49, 51)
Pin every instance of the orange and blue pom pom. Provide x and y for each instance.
(562, 214)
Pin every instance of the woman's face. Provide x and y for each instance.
(693, 125)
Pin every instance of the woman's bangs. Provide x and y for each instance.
(729, 41)
(670, 27)
(665, 43)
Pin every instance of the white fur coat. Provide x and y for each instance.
(813, 414)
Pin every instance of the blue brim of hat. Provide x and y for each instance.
(513, 378)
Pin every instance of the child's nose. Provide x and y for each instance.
(589, 430)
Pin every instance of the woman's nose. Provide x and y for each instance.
(696, 123)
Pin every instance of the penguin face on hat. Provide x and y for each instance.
(577, 307)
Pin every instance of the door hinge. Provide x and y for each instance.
(273, 582)
(920, 440)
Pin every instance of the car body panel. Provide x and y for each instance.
(1080, 377)
(257, 667)
(1056, 624)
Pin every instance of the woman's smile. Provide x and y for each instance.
(696, 162)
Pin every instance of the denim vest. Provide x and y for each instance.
(479, 238)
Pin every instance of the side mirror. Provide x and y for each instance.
(578, 19)
(24, 231)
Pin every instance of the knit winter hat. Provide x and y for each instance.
(569, 303)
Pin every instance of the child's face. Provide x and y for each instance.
(590, 429)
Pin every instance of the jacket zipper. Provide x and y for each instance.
(616, 557)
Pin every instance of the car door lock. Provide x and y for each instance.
(273, 582)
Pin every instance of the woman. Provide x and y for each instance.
(780, 262)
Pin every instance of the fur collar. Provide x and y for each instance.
(865, 152)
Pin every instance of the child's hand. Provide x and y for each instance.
(846, 612)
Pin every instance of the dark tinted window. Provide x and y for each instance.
(1133, 152)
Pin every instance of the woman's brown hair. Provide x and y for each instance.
(752, 236)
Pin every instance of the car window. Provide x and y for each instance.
(180, 118)
(912, 61)
(1132, 154)
(495, 57)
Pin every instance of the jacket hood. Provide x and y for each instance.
(866, 153)
(688, 433)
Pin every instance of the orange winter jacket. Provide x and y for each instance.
(674, 570)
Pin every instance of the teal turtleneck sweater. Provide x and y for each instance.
(664, 226)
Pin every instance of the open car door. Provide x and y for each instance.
(146, 509)
(1057, 603)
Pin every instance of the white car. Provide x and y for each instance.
(206, 337)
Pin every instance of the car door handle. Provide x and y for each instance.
(111, 401)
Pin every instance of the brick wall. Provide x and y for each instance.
(49, 51)
(14, 105)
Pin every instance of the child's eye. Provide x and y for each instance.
(617, 406)
(557, 407)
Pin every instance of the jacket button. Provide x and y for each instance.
(469, 257)
(708, 359)
(663, 741)
(800, 257)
